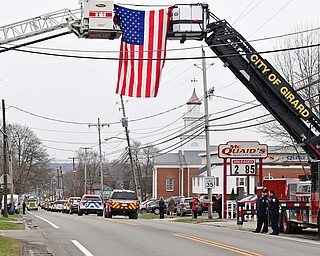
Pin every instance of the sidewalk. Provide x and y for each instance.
(33, 239)
(231, 224)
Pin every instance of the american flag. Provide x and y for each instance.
(142, 50)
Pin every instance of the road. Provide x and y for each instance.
(92, 235)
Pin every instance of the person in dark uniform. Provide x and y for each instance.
(24, 205)
(219, 206)
(274, 213)
(261, 206)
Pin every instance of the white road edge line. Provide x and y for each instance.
(81, 248)
(53, 225)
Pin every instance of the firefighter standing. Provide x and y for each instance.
(274, 213)
(261, 206)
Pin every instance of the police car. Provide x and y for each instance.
(90, 204)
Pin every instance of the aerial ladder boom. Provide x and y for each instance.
(267, 85)
(39, 25)
(95, 19)
(256, 73)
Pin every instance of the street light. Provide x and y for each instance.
(115, 137)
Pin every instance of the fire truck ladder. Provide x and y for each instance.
(259, 76)
(39, 25)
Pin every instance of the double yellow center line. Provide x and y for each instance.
(219, 245)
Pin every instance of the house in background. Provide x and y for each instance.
(183, 173)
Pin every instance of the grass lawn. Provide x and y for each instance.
(9, 246)
(148, 216)
(8, 223)
(14, 217)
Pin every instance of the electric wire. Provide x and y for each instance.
(241, 16)
(174, 49)
(171, 59)
(275, 14)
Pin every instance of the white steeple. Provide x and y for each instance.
(193, 124)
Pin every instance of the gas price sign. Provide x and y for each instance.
(243, 167)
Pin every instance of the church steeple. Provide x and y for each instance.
(194, 100)
(192, 119)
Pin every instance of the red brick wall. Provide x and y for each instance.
(162, 175)
(185, 181)
(285, 172)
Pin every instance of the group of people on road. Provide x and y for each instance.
(267, 205)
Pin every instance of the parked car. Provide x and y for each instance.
(177, 200)
(122, 202)
(204, 199)
(249, 199)
(72, 204)
(143, 207)
(48, 205)
(58, 205)
(153, 207)
(184, 207)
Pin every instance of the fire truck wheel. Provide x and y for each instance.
(288, 226)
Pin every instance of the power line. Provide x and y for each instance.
(168, 59)
(174, 49)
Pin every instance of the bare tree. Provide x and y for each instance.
(301, 68)
(91, 161)
(144, 162)
(30, 161)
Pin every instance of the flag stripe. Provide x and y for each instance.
(142, 50)
(159, 52)
(131, 83)
(150, 52)
(140, 69)
(120, 67)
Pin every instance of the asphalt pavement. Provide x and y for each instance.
(35, 242)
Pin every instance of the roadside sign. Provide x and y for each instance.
(2, 179)
(243, 149)
(209, 182)
(243, 167)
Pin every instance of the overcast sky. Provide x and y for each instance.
(83, 90)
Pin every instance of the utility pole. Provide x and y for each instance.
(74, 175)
(5, 165)
(58, 184)
(125, 125)
(10, 166)
(61, 184)
(100, 155)
(85, 169)
(206, 129)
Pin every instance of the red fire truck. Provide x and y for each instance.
(298, 208)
